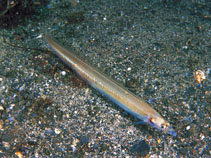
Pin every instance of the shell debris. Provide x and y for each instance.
(199, 76)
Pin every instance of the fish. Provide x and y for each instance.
(110, 88)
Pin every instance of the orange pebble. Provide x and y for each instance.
(19, 154)
(199, 76)
(159, 141)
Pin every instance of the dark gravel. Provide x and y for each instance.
(152, 47)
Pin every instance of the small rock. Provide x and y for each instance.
(141, 148)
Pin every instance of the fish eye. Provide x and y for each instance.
(164, 125)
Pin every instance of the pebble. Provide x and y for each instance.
(188, 128)
(141, 148)
(63, 73)
(57, 130)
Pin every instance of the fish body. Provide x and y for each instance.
(110, 88)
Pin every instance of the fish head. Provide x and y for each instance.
(161, 124)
